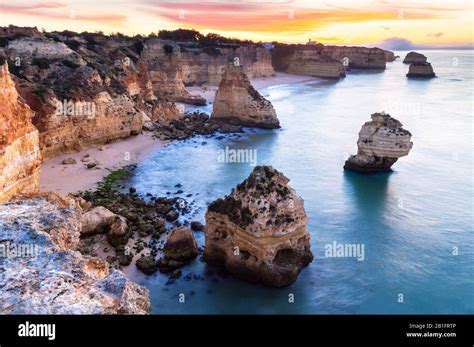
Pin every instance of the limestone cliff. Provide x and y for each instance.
(42, 273)
(20, 155)
(258, 232)
(357, 57)
(313, 63)
(166, 72)
(381, 142)
(207, 66)
(237, 102)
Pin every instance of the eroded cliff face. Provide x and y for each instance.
(200, 67)
(321, 60)
(357, 57)
(20, 155)
(237, 102)
(423, 70)
(313, 63)
(42, 273)
(381, 142)
(77, 99)
(258, 232)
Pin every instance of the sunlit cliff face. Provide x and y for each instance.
(443, 22)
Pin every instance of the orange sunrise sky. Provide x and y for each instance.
(331, 22)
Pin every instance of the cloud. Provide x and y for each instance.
(396, 44)
(436, 34)
(268, 17)
(59, 10)
(401, 44)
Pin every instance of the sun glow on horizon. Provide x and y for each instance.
(332, 22)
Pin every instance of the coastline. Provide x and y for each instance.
(65, 179)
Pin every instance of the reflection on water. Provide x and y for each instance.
(409, 220)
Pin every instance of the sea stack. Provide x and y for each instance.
(414, 57)
(258, 232)
(238, 103)
(423, 70)
(20, 155)
(381, 142)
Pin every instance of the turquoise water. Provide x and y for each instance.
(410, 221)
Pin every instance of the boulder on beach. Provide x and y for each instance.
(258, 232)
(181, 245)
(423, 70)
(414, 57)
(381, 142)
(238, 103)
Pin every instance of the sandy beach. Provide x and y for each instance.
(65, 179)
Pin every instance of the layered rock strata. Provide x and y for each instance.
(42, 273)
(200, 67)
(381, 142)
(414, 57)
(20, 155)
(357, 57)
(423, 70)
(237, 102)
(312, 63)
(258, 232)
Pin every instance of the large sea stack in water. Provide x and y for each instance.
(381, 142)
(258, 232)
(237, 102)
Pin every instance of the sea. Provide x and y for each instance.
(412, 227)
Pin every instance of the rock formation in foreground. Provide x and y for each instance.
(20, 156)
(381, 142)
(51, 277)
(312, 63)
(414, 57)
(423, 70)
(258, 232)
(237, 102)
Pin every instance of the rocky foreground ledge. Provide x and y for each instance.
(258, 232)
(41, 271)
(381, 142)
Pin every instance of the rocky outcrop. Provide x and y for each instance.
(390, 56)
(313, 63)
(423, 70)
(258, 232)
(237, 102)
(414, 57)
(20, 155)
(181, 245)
(42, 273)
(381, 142)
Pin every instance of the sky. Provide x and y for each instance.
(391, 22)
